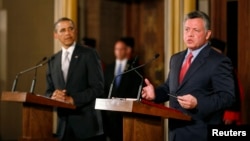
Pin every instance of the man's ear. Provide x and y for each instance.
(209, 32)
(55, 35)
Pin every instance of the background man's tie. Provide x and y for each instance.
(118, 78)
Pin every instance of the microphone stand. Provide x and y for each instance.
(33, 83)
(140, 86)
(22, 72)
(14, 83)
(135, 68)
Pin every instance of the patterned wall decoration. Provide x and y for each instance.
(145, 22)
(153, 39)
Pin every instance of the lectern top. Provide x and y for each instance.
(139, 107)
(25, 97)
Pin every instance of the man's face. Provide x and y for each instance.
(120, 50)
(65, 32)
(195, 34)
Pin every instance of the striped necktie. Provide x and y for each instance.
(185, 67)
(65, 65)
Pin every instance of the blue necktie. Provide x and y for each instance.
(118, 78)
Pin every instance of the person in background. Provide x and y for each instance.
(124, 86)
(75, 76)
(91, 42)
(233, 114)
(133, 59)
(200, 83)
(130, 43)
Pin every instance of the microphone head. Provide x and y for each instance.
(45, 58)
(133, 63)
(157, 55)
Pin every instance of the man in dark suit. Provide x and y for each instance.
(132, 58)
(204, 91)
(91, 42)
(129, 83)
(127, 88)
(232, 115)
(75, 76)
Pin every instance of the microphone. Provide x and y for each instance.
(140, 86)
(33, 83)
(135, 68)
(24, 71)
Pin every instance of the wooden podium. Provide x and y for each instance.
(142, 120)
(37, 114)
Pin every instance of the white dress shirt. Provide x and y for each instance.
(70, 50)
(117, 62)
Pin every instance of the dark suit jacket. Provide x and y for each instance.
(128, 88)
(129, 84)
(84, 84)
(210, 80)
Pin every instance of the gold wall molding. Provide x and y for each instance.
(3, 49)
(64, 8)
(175, 11)
(173, 38)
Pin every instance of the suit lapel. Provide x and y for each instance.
(73, 62)
(177, 67)
(197, 63)
(59, 66)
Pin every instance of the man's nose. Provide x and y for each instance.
(191, 33)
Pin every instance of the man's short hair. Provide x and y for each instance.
(199, 14)
(61, 20)
(129, 41)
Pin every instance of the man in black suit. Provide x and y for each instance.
(204, 91)
(91, 42)
(75, 76)
(129, 83)
(232, 115)
(132, 58)
(130, 43)
(127, 88)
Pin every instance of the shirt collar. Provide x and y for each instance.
(196, 52)
(70, 49)
(124, 61)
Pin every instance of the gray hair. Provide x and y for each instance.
(199, 14)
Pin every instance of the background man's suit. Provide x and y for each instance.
(210, 80)
(84, 84)
(128, 88)
(129, 85)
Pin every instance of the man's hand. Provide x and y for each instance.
(228, 122)
(61, 95)
(187, 101)
(148, 91)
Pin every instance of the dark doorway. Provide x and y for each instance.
(232, 31)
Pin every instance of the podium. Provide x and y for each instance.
(142, 120)
(36, 114)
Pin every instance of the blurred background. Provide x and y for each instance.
(26, 36)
